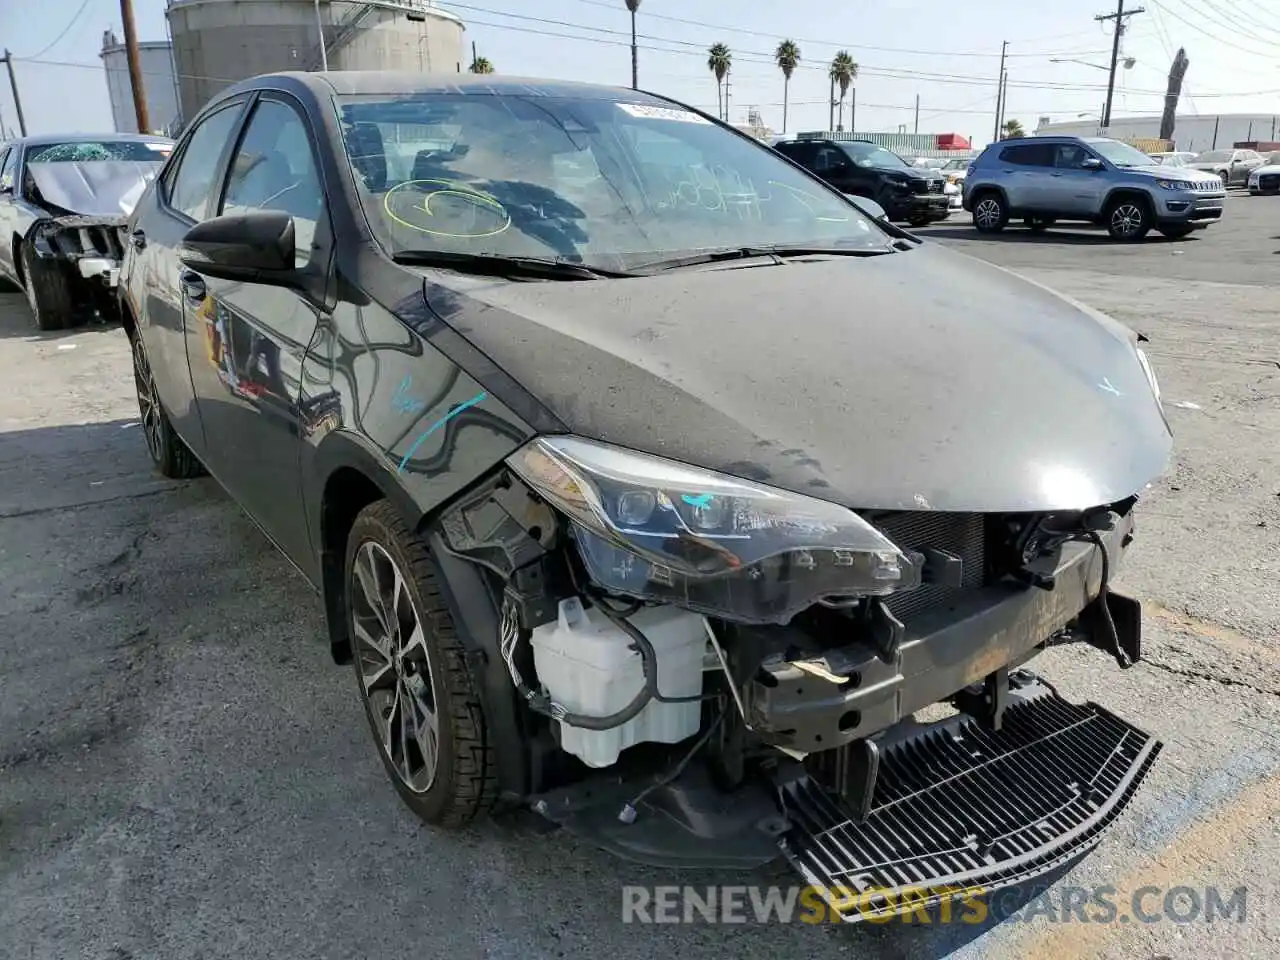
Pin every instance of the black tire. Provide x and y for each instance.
(919, 221)
(48, 291)
(1225, 177)
(463, 782)
(172, 457)
(1177, 232)
(990, 212)
(1039, 224)
(1129, 219)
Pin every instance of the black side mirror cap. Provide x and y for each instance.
(257, 246)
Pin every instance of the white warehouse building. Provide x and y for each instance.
(160, 92)
(1196, 133)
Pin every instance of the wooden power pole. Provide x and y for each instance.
(1120, 16)
(135, 66)
(17, 101)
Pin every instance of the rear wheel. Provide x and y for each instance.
(990, 215)
(172, 457)
(1128, 219)
(48, 291)
(418, 692)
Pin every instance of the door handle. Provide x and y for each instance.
(192, 286)
(138, 239)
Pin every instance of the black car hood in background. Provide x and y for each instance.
(915, 380)
(93, 188)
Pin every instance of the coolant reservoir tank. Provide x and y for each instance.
(587, 665)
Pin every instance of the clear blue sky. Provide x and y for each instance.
(1234, 47)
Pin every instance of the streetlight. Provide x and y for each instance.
(1127, 63)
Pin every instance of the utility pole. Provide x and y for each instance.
(831, 105)
(917, 130)
(728, 83)
(853, 108)
(17, 101)
(324, 54)
(135, 68)
(1004, 101)
(1120, 16)
(1004, 50)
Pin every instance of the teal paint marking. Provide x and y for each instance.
(701, 500)
(436, 426)
(405, 402)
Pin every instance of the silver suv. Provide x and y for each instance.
(1046, 179)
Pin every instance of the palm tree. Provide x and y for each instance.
(1012, 130)
(633, 6)
(719, 60)
(788, 57)
(481, 65)
(844, 70)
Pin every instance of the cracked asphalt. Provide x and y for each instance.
(183, 774)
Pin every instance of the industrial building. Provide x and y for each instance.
(1196, 133)
(219, 42)
(160, 93)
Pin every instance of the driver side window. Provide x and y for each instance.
(274, 169)
(830, 160)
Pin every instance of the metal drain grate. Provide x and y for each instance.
(961, 806)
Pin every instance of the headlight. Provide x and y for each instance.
(1174, 184)
(660, 530)
(1151, 374)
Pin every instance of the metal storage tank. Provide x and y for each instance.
(219, 42)
(155, 58)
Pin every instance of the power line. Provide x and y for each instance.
(75, 18)
(1199, 29)
(726, 28)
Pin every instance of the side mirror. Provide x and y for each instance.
(255, 247)
(1090, 163)
(6, 188)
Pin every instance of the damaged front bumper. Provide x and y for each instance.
(884, 814)
(92, 246)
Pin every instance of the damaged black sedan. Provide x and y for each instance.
(648, 482)
(64, 201)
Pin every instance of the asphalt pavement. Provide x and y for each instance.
(184, 774)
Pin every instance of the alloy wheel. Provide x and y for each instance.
(394, 666)
(987, 213)
(1126, 220)
(148, 401)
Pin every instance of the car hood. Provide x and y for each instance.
(94, 188)
(1211, 165)
(1269, 170)
(919, 380)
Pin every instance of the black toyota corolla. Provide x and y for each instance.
(648, 483)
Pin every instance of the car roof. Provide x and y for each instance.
(348, 82)
(43, 139)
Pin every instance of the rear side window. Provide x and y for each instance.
(192, 182)
(1029, 155)
(8, 167)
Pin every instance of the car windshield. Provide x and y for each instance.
(82, 151)
(1169, 160)
(869, 155)
(1120, 154)
(1272, 159)
(589, 180)
(1214, 156)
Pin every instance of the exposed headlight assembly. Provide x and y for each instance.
(656, 529)
(1175, 184)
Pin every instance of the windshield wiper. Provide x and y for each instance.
(777, 253)
(491, 264)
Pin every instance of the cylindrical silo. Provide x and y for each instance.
(159, 91)
(219, 42)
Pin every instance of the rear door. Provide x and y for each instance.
(246, 341)
(1027, 170)
(184, 196)
(8, 215)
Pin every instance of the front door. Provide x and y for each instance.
(248, 342)
(1071, 190)
(8, 211)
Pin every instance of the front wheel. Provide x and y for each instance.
(990, 213)
(172, 457)
(1128, 219)
(418, 692)
(48, 291)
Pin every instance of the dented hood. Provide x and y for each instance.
(93, 188)
(917, 380)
